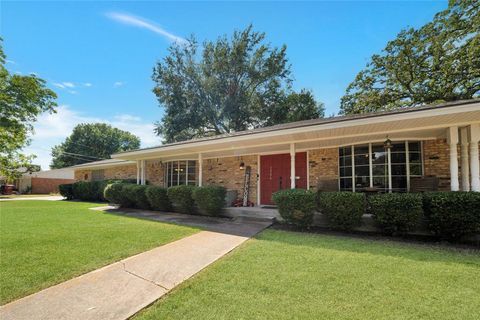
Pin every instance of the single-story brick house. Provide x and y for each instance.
(388, 151)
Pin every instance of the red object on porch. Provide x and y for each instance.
(275, 174)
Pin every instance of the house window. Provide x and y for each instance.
(181, 172)
(368, 165)
(98, 175)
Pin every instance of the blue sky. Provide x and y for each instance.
(98, 56)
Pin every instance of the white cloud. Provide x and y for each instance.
(59, 85)
(52, 129)
(87, 84)
(69, 84)
(144, 24)
(118, 84)
(10, 61)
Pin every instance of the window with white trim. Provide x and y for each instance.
(368, 165)
(181, 172)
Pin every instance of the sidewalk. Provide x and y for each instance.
(121, 289)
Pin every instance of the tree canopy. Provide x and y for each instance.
(436, 63)
(226, 85)
(22, 99)
(91, 142)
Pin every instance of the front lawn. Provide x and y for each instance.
(46, 242)
(286, 275)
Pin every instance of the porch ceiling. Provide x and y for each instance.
(422, 124)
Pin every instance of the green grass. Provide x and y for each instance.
(46, 242)
(286, 275)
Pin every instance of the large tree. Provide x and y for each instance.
(436, 63)
(90, 142)
(22, 99)
(226, 85)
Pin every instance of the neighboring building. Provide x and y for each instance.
(388, 151)
(44, 182)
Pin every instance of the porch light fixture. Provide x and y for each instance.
(242, 166)
(387, 144)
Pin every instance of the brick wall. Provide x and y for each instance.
(154, 172)
(436, 160)
(119, 172)
(226, 172)
(83, 175)
(47, 185)
(323, 166)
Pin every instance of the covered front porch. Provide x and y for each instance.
(386, 151)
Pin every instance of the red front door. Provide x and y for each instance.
(275, 174)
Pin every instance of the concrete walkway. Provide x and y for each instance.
(121, 289)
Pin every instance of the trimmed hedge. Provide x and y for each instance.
(344, 210)
(181, 198)
(210, 200)
(136, 195)
(158, 199)
(66, 190)
(396, 212)
(86, 191)
(296, 206)
(115, 193)
(452, 215)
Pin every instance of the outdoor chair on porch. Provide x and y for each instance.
(424, 184)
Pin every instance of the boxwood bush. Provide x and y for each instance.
(85, 190)
(296, 206)
(344, 210)
(158, 198)
(66, 190)
(452, 215)
(181, 198)
(210, 200)
(116, 194)
(397, 213)
(137, 195)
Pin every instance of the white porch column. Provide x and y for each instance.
(389, 159)
(200, 169)
(138, 172)
(453, 141)
(474, 163)
(142, 172)
(292, 166)
(464, 159)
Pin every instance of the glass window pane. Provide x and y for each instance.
(361, 159)
(415, 157)
(379, 170)
(414, 146)
(182, 172)
(345, 171)
(415, 169)
(345, 183)
(380, 182)
(398, 147)
(345, 151)
(363, 149)
(361, 182)
(379, 157)
(346, 161)
(362, 170)
(175, 173)
(399, 170)
(399, 183)
(398, 157)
